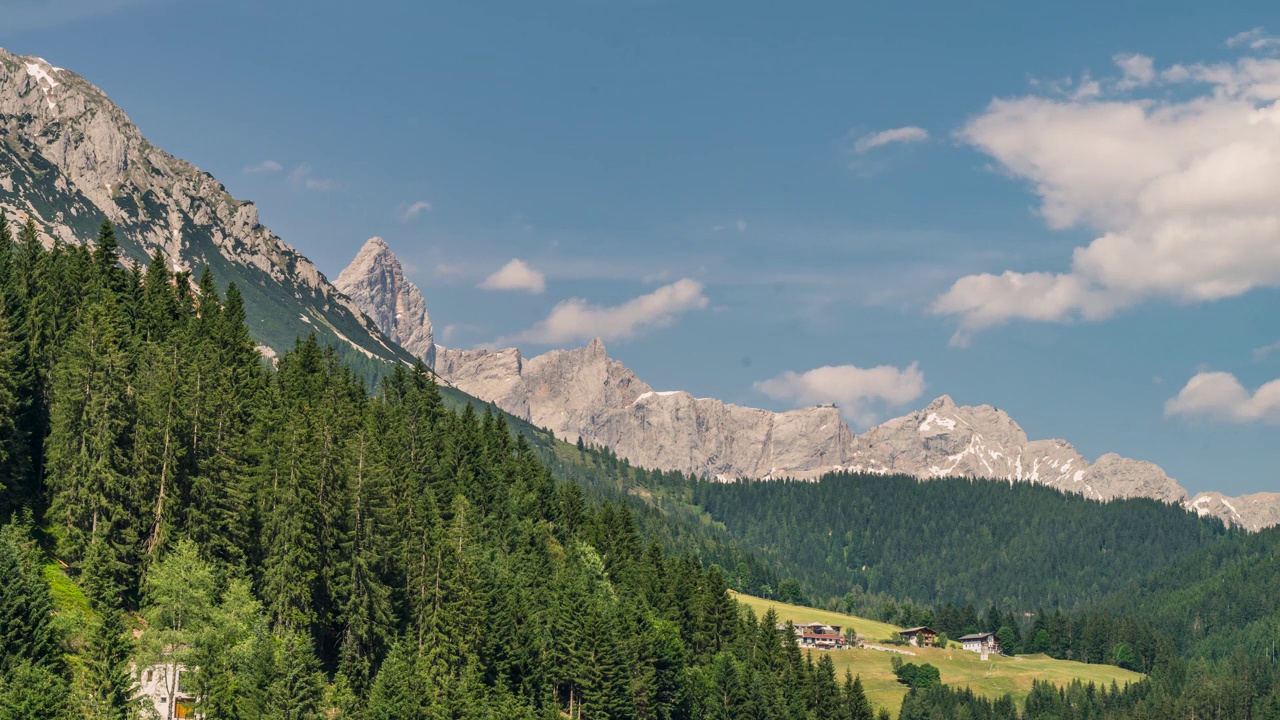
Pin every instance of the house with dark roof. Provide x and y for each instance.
(981, 643)
(919, 636)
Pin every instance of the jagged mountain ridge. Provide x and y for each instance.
(70, 157)
(585, 393)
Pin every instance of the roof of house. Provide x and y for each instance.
(977, 636)
(916, 630)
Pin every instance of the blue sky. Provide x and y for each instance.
(707, 155)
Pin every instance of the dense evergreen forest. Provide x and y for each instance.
(310, 550)
(957, 541)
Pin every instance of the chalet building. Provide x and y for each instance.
(981, 643)
(919, 636)
(817, 635)
(165, 686)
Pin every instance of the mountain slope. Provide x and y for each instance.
(69, 157)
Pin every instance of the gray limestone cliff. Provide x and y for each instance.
(1251, 512)
(375, 282)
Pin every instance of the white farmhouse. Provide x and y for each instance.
(164, 686)
(981, 643)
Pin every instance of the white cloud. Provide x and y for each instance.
(858, 391)
(1180, 192)
(411, 211)
(741, 225)
(574, 319)
(1138, 71)
(907, 134)
(304, 178)
(516, 275)
(1255, 39)
(266, 166)
(1220, 396)
(1261, 353)
(445, 270)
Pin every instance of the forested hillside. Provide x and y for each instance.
(1019, 546)
(308, 550)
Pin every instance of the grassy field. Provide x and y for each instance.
(959, 668)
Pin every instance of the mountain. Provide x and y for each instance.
(376, 283)
(945, 440)
(583, 393)
(1252, 512)
(69, 157)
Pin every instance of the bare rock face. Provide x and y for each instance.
(946, 440)
(69, 157)
(376, 283)
(1113, 476)
(583, 393)
(1251, 512)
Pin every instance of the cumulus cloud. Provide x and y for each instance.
(516, 275)
(1137, 71)
(1220, 396)
(410, 211)
(574, 319)
(1180, 190)
(266, 166)
(859, 392)
(907, 134)
(303, 177)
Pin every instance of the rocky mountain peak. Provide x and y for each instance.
(70, 158)
(375, 281)
(942, 403)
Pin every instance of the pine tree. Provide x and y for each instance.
(367, 613)
(34, 692)
(106, 260)
(94, 495)
(107, 678)
(299, 687)
(27, 633)
(14, 448)
(856, 705)
(397, 692)
(225, 381)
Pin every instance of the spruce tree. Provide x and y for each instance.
(107, 678)
(94, 493)
(856, 705)
(14, 448)
(367, 616)
(27, 633)
(299, 687)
